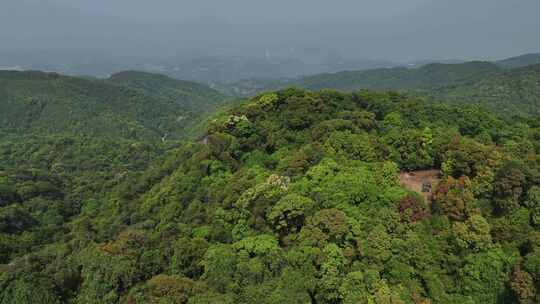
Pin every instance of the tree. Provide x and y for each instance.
(484, 276)
(15, 219)
(392, 121)
(187, 257)
(220, 267)
(411, 148)
(327, 225)
(331, 273)
(454, 199)
(533, 203)
(473, 234)
(300, 161)
(354, 146)
(378, 245)
(27, 288)
(362, 119)
(165, 289)
(522, 285)
(508, 187)
(413, 208)
(389, 174)
(353, 288)
(289, 214)
(385, 295)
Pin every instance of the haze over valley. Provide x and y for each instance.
(238, 39)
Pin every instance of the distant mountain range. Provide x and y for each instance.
(221, 69)
(425, 77)
(145, 105)
(511, 85)
(520, 61)
(514, 91)
(199, 68)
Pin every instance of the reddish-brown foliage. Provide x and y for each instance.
(413, 209)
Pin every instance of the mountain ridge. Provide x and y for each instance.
(49, 102)
(442, 82)
(520, 61)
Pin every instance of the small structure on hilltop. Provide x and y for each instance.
(423, 182)
(426, 186)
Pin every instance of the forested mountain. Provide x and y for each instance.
(510, 91)
(515, 91)
(196, 97)
(520, 61)
(250, 87)
(432, 75)
(48, 103)
(426, 77)
(293, 197)
(66, 142)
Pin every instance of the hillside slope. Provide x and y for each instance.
(516, 91)
(194, 96)
(42, 103)
(519, 61)
(426, 77)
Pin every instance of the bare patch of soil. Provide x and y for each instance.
(423, 181)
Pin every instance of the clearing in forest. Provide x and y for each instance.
(422, 181)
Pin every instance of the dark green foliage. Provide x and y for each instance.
(509, 187)
(27, 288)
(193, 96)
(196, 101)
(41, 103)
(513, 92)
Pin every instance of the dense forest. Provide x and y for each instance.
(509, 86)
(515, 91)
(122, 106)
(290, 197)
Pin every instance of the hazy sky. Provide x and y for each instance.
(382, 29)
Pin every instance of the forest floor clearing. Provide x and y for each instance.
(423, 181)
